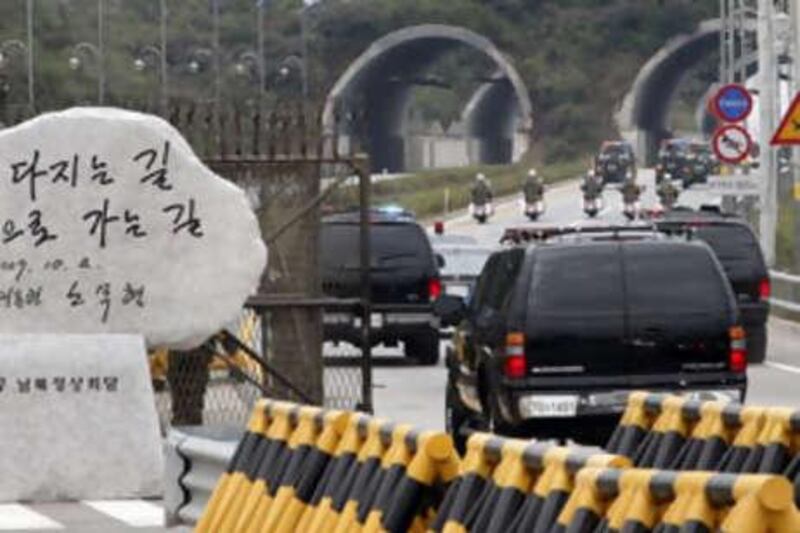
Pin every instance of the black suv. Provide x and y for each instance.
(404, 275)
(615, 160)
(672, 157)
(558, 332)
(737, 248)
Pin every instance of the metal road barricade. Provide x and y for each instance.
(309, 469)
(662, 500)
(514, 485)
(711, 466)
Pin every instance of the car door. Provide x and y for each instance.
(464, 337)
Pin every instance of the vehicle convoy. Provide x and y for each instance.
(480, 206)
(565, 322)
(698, 165)
(687, 161)
(404, 277)
(533, 195)
(736, 246)
(592, 189)
(614, 161)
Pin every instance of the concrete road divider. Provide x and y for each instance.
(662, 500)
(513, 485)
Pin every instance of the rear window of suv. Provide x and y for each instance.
(673, 278)
(390, 245)
(581, 280)
(736, 248)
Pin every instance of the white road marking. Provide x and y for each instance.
(135, 513)
(16, 517)
(781, 366)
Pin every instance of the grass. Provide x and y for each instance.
(424, 193)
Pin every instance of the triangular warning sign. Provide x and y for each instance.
(789, 130)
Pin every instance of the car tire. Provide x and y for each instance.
(424, 348)
(757, 344)
(456, 417)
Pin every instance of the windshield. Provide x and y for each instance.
(392, 245)
(463, 261)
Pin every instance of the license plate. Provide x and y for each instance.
(337, 318)
(612, 168)
(549, 406)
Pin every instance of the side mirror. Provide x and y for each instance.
(440, 262)
(450, 309)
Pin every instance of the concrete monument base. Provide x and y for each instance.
(77, 419)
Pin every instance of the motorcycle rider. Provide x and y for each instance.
(533, 188)
(481, 190)
(592, 186)
(630, 190)
(667, 192)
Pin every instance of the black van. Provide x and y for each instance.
(405, 280)
(736, 246)
(557, 333)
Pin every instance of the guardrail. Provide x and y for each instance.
(788, 300)
(194, 464)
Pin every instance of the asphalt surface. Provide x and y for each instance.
(416, 394)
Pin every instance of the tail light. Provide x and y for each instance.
(737, 357)
(514, 365)
(434, 288)
(438, 227)
(764, 289)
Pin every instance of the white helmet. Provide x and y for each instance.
(480, 177)
(590, 173)
(532, 173)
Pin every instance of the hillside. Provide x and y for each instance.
(577, 57)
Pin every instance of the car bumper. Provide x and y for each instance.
(384, 325)
(520, 403)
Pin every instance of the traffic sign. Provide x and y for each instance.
(789, 130)
(732, 103)
(732, 144)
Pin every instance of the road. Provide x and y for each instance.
(416, 394)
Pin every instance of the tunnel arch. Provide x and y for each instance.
(375, 83)
(643, 114)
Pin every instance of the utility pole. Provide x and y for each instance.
(794, 13)
(767, 83)
(163, 59)
(31, 82)
(101, 52)
(261, 63)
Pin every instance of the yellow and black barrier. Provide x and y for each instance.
(302, 468)
(513, 485)
(666, 501)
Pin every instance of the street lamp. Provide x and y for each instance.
(246, 64)
(10, 48)
(76, 62)
(199, 60)
(151, 57)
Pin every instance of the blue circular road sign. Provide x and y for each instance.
(733, 103)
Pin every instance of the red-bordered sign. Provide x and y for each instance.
(788, 132)
(732, 144)
(732, 103)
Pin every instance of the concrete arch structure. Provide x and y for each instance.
(379, 82)
(643, 115)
